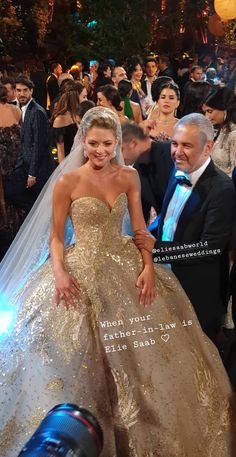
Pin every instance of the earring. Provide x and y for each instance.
(113, 154)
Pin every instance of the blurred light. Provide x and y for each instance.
(7, 319)
(91, 24)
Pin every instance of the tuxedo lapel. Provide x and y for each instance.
(25, 124)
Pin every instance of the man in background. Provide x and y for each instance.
(35, 162)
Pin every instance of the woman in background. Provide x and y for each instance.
(109, 97)
(167, 102)
(220, 108)
(103, 78)
(131, 109)
(10, 118)
(64, 118)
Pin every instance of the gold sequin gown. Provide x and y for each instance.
(149, 375)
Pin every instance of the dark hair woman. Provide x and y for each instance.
(167, 102)
(131, 109)
(109, 97)
(220, 108)
(134, 69)
(103, 77)
(64, 118)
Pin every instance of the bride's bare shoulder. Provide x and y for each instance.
(128, 171)
(68, 180)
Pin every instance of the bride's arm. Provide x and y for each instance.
(146, 280)
(66, 286)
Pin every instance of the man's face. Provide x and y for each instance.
(151, 69)
(58, 70)
(188, 149)
(11, 92)
(23, 94)
(119, 75)
(197, 74)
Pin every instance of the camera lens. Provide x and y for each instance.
(66, 431)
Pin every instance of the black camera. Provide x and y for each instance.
(66, 431)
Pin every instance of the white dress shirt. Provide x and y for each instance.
(24, 108)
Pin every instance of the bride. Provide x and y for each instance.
(98, 325)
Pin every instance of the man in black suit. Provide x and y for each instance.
(52, 83)
(153, 162)
(151, 70)
(196, 222)
(35, 162)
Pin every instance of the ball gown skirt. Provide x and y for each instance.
(149, 374)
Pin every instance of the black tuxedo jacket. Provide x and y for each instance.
(35, 156)
(207, 217)
(154, 168)
(52, 87)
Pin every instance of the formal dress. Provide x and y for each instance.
(10, 217)
(150, 376)
(65, 135)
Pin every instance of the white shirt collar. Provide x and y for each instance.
(24, 108)
(195, 175)
(146, 79)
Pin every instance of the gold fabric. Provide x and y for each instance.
(150, 376)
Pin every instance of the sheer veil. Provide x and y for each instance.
(30, 247)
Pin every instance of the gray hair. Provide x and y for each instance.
(206, 129)
(64, 76)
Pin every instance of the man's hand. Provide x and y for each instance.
(144, 240)
(31, 181)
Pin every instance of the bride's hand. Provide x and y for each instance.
(67, 289)
(146, 282)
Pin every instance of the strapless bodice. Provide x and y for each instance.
(95, 223)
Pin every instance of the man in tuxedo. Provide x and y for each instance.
(153, 162)
(196, 222)
(10, 85)
(35, 162)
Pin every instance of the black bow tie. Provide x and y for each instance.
(12, 103)
(183, 179)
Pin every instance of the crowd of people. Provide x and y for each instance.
(132, 166)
